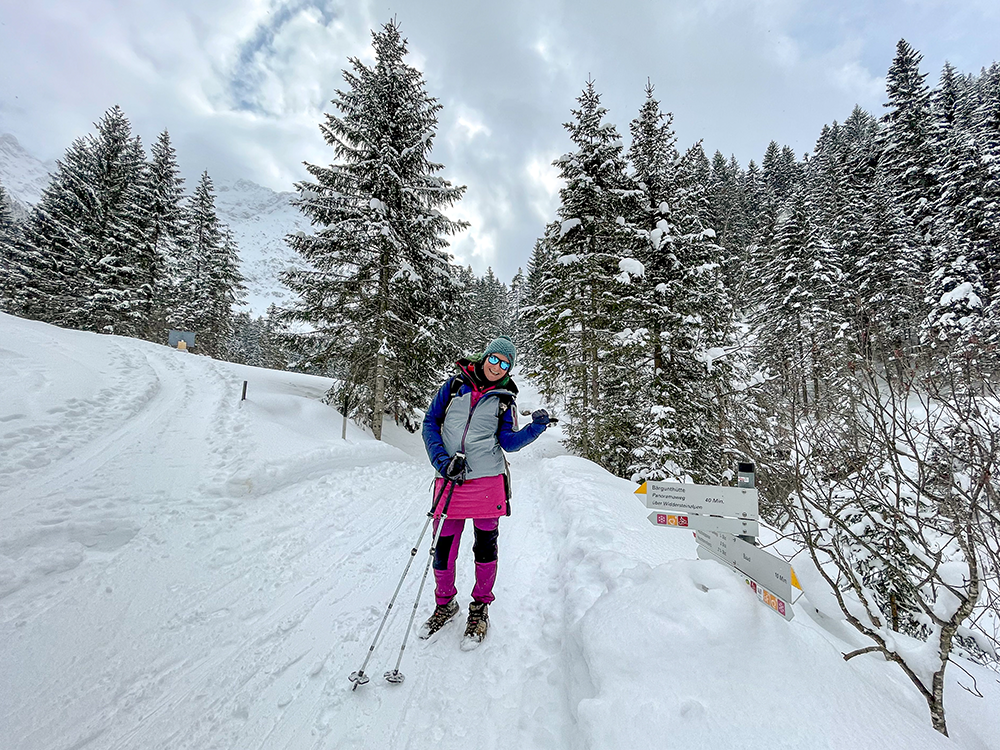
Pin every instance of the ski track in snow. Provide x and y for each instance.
(182, 570)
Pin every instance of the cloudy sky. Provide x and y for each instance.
(242, 84)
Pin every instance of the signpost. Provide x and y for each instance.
(174, 339)
(774, 573)
(736, 502)
(705, 523)
(725, 520)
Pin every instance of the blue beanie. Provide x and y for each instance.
(501, 345)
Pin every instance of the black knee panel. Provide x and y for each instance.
(442, 552)
(485, 548)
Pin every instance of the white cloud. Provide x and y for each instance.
(242, 85)
(543, 185)
(853, 78)
(467, 127)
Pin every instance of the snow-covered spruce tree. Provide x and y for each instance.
(254, 341)
(481, 313)
(490, 304)
(89, 234)
(53, 261)
(226, 291)
(11, 275)
(460, 328)
(706, 335)
(731, 216)
(985, 125)
(516, 299)
(380, 286)
(592, 242)
(779, 176)
(166, 220)
(658, 452)
(540, 322)
(908, 170)
(850, 174)
(963, 259)
(209, 282)
(6, 215)
(800, 318)
(119, 254)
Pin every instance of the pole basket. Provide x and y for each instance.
(358, 678)
(394, 677)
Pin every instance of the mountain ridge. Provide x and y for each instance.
(259, 218)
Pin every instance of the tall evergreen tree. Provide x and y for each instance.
(986, 129)
(166, 220)
(55, 257)
(6, 214)
(907, 167)
(516, 300)
(379, 287)
(87, 234)
(657, 452)
(209, 281)
(592, 241)
(118, 249)
(12, 276)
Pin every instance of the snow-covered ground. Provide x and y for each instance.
(182, 570)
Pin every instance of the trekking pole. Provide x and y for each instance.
(394, 676)
(359, 677)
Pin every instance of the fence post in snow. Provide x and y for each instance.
(746, 479)
(244, 398)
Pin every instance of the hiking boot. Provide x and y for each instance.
(443, 613)
(475, 627)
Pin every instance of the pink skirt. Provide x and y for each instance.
(477, 498)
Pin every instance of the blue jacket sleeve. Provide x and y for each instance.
(513, 440)
(431, 429)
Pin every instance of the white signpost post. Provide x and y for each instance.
(725, 522)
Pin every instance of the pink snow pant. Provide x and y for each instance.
(484, 548)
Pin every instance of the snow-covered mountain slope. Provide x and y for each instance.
(180, 569)
(22, 175)
(259, 218)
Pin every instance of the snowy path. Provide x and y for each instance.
(180, 570)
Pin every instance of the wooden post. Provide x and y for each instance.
(244, 398)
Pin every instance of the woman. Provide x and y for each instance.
(469, 424)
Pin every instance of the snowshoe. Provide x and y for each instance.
(443, 614)
(476, 626)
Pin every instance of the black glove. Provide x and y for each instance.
(540, 416)
(455, 470)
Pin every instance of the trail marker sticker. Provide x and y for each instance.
(704, 523)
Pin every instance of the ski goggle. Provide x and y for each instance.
(495, 360)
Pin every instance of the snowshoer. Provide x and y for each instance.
(469, 425)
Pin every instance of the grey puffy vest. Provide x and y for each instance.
(475, 433)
